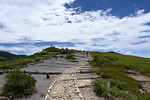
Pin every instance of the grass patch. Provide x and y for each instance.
(139, 64)
(111, 66)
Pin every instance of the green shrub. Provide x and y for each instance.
(70, 56)
(100, 88)
(61, 56)
(42, 94)
(19, 84)
(114, 92)
(2, 59)
(37, 59)
(55, 56)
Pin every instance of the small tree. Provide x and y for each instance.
(19, 84)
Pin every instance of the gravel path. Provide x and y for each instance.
(65, 87)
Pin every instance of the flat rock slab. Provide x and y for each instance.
(84, 75)
(51, 65)
(42, 85)
(139, 77)
(2, 80)
(84, 82)
(146, 86)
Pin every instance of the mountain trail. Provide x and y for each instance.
(65, 87)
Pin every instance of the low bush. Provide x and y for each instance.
(19, 84)
(70, 56)
(42, 94)
(37, 59)
(100, 88)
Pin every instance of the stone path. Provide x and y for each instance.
(68, 86)
(65, 87)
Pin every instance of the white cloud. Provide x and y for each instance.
(140, 12)
(49, 20)
(25, 49)
(14, 52)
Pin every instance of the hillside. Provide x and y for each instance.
(127, 62)
(6, 56)
(123, 76)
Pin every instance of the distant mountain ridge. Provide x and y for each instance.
(6, 56)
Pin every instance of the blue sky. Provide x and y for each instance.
(121, 8)
(122, 26)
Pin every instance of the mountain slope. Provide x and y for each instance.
(115, 82)
(6, 56)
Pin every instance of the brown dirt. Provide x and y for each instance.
(137, 76)
(84, 82)
(64, 90)
(1, 88)
(146, 86)
(89, 94)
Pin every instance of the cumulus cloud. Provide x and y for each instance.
(50, 20)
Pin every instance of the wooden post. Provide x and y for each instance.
(109, 84)
(47, 76)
